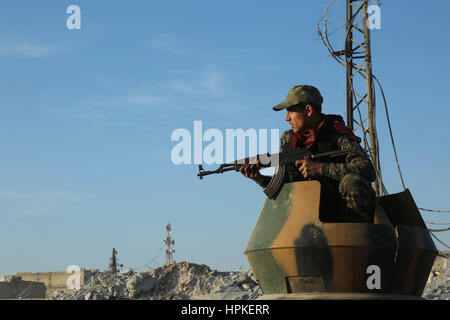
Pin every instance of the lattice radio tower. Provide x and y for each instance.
(357, 60)
(169, 242)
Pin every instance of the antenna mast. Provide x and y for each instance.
(356, 58)
(169, 244)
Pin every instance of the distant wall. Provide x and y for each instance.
(16, 288)
(54, 281)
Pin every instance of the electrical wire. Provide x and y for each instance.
(153, 260)
(430, 210)
(394, 148)
(336, 30)
(327, 8)
(445, 245)
(440, 223)
(328, 46)
(439, 230)
(390, 131)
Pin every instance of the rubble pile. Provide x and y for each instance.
(190, 281)
(182, 280)
(438, 286)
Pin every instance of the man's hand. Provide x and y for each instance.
(308, 168)
(252, 171)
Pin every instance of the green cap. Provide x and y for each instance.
(298, 94)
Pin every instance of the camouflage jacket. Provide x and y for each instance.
(337, 167)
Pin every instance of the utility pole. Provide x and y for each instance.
(113, 262)
(348, 67)
(357, 60)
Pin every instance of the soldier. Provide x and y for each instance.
(345, 180)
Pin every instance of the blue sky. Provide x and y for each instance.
(87, 116)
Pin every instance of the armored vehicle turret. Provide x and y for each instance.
(295, 254)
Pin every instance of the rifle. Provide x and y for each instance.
(278, 160)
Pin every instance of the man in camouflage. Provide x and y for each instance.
(345, 180)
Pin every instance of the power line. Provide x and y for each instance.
(441, 223)
(327, 8)
(153, 260)
(445, 245)
(439, 230)
(390, 131)
(393, 143)
(430, 210)
(368, 75)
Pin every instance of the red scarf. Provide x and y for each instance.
(308, 138)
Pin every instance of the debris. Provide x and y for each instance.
(438, 285)
(190, 281)
(175, 281)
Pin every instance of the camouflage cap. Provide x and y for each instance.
(298, 94)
